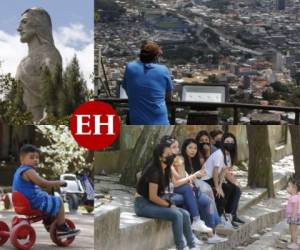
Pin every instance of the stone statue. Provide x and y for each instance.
(36, 30)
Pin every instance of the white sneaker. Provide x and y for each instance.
(200, 226)
(216, 239)
(197, 241)
(226, 222)
(293, 246)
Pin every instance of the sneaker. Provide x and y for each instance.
(238, 220)
(216, 239)
(225, 230)
(197, 241)
(228, 217)
(234, 224)
(64, 231)
(293, 246)
(227, 224)
(200, 226)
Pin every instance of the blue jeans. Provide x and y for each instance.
(190, 202)
(208, 210)
(177, 199)
(180, 218)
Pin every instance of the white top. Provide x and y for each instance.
(215, 160)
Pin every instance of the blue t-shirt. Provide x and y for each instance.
(27, 188)
(37, 197)
(146, 86)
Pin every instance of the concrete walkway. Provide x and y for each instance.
(85, 240)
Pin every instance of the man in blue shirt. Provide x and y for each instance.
(148, 85)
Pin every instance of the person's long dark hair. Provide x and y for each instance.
(233, 154)
(195, 166)
(155, 165)
(201, 150)
(168, 139)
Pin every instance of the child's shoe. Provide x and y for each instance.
(64, 231)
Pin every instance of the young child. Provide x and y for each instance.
(293, 210)
(29, 183)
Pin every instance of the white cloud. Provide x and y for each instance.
(69, 40)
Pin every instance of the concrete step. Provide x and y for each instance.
(275, 237)
(265, 214)
(131, 232)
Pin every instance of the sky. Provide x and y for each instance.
(72, 23)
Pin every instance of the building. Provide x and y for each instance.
(280, 5)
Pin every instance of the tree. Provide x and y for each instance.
(142, 152)
(212, 79)
(61, 152)
(12, 108)
(295, 138)
(260, 172)
(75, 90)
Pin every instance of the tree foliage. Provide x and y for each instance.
(61, 154)
(12, 108)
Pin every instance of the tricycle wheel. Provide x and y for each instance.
(65, 241)
(23, 236)
(4, 230)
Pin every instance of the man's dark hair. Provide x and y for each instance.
(29, 148)
(216, 132)
(150, 51)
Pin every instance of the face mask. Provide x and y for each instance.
(218, 144)
(202, 144)
(169, 160)
(229, 147)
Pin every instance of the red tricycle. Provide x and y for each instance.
(22, 234)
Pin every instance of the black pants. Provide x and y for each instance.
(228, 204)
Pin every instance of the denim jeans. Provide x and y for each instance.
(177, 199)
(208, 210)
(180, 218)
(190, 202)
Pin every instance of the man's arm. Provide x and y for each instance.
(169, 96)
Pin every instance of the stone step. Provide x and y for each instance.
(276, 237)
(142, 233)
(264, 214)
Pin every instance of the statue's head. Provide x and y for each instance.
(36, 22)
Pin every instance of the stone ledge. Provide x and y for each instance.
(136, 233)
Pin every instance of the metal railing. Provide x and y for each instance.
(173, 105)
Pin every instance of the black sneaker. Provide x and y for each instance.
(238, 220)
(63, 231)
(234, 224)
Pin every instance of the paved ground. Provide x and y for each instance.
(85, 240)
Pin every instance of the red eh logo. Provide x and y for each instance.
(95, 125)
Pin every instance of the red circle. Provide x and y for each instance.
(95, 125)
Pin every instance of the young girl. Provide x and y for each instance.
(183, 185)
(151, 187)
(293, 210)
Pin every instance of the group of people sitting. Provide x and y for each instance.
(195, 188)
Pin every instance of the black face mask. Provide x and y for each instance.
(202, 144)
(218, 144)
(169, 160)
(229, 147)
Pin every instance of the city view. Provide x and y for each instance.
(250, 47)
